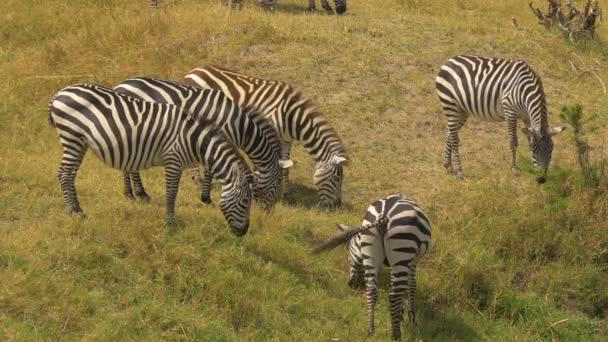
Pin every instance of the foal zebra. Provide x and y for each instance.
(294, 118)
(394, 231)
(130, 135)
(495, 90)
(245, 128)
(340, 6)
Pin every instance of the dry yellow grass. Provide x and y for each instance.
(509, 258)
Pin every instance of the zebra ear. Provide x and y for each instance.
(556, 130)
(339, 160)
(285, 164)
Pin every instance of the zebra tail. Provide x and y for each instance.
(340, 238)
(348, 234)
(50, 118)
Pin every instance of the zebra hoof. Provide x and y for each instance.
(449, 169)
(144, 197)
(129, 196)
(459, 175)
(370, 332)
(77, 214)
(206, 199)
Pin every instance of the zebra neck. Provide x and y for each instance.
(318, 137)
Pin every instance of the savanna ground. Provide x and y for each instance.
(510, 260)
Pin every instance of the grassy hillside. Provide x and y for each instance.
(510, 260)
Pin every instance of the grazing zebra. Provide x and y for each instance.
(340, 6)
(247, 129)
(130, 135)
(394, 231)
(495, 90)
(294, 118)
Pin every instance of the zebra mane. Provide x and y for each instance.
(348, 234)
(335, 143)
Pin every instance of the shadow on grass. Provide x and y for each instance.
(293, 9)
(435, 324)
(299, 195)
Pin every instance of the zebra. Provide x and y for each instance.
(495, 90)
(340, 6)
(153, 4)
(294, 118)
(246, 128)
(396, 231)
(130, 135)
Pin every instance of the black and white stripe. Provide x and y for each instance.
(495, 90)
(246, 128)
(131, 135)
(340, 6)
(394, 231)
(294, 117)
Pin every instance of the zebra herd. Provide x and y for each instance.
(206, 119)
(270, 5)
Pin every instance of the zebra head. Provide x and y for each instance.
(236, 201)
(355, 280)
(340, 6)
(328, 179)
(541, 145)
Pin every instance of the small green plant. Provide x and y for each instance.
(592, 172)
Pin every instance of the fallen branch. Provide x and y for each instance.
(575, 24)
(588, 70)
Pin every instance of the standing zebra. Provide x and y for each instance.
(131, 135)
(293, 117)
(495, 90)
(340, 6)
(394, 231)
(247, 129)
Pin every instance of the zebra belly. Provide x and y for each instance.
(494, 116)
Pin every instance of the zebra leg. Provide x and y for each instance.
(511, 120)
(206, 188)
(72, 158)
(447, 155)
(411, 295)
(172, 176)
(399, 283)
(455, 123)
(139, 187)
(327, 7)
(285, 153)
(128, 191)
(371, 285)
